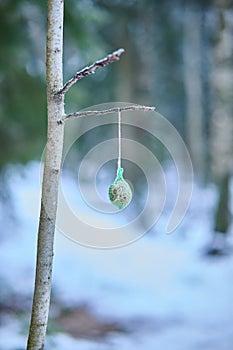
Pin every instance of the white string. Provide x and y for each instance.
(119, 139)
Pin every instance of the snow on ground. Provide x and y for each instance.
(163, 287)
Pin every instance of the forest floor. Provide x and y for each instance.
(160, 292)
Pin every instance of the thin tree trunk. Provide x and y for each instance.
(193, 87)
(222, 121)
(55, 110)
(222, 216)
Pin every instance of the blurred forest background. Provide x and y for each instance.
(179, 57)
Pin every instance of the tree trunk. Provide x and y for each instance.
(222, 121)
(52, 166)
(193, 87)
(222, 216)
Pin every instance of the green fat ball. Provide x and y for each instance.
(120, 193)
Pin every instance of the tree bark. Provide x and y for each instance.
(52, 166)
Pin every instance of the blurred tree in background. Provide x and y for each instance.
(22, 94)
(178, 57)
(221, 146)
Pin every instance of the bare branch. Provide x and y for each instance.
(105, 111)
(113, 57)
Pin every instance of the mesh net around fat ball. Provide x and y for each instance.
(120, 193)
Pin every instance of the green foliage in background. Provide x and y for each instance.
(151, 72)
(22, 87)
(22, 71)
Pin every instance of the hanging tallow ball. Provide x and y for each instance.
(120, 193)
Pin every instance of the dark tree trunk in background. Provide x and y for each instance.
(192, 52)
(222, 216)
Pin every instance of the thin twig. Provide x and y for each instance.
(105, 111)
(113, 57)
